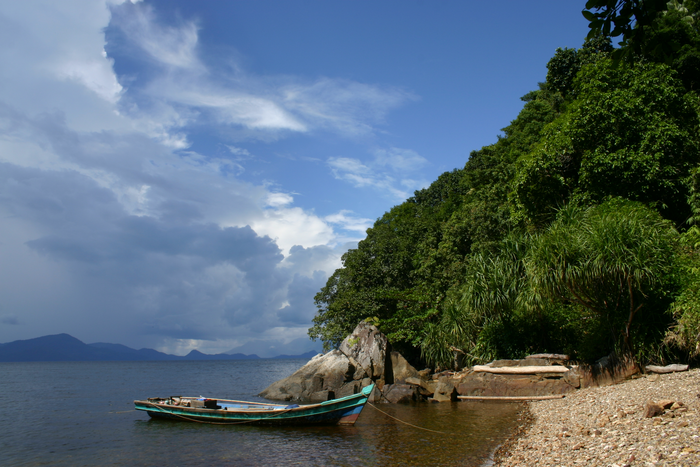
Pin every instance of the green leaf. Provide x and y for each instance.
(589, 16)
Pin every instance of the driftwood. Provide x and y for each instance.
(666, 369)
(510, 398)
(520, 370)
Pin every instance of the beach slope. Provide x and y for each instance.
(649, 420)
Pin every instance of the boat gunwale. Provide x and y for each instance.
(277, 408)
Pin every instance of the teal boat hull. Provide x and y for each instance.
(343, 411)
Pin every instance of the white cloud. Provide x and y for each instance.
(399, 160)
(241, 152)
(347, 221)
(106, 210)
(293, 226)
(169, 45)
(115, 223)
(348, 165)
(277, 200)
(95, 74)
(388, 172)
(53, 59)
(346, 106)
(264, 107)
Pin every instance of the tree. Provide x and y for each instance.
(439, 270)
(632, 132)
(613, 261)
(377, 278)
(634, 20)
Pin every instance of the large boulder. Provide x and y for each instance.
(401, 369)
(362, 359)
(367, 347)
(316, 381)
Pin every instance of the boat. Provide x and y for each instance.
(342, 411)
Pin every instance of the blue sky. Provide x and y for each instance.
(181, 175)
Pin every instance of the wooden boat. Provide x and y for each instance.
(343, 411)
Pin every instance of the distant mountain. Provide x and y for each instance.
(272, 348)
(197, 355)
(127, 353)
(308, 355)
(59, 347)
(64, 347)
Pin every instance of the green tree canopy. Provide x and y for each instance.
(639, 23)
(632, 132)
(611, 260)
(559, 236)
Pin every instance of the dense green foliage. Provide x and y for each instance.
(643, 25)
(574, 232)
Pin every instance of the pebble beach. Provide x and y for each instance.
(650, 420)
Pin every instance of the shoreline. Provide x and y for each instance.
(609, 425)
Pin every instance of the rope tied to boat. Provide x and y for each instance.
(406, 423)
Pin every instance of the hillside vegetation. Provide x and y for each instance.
(574, 232)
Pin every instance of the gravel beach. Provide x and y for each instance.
(613, 426)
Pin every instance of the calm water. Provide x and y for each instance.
(81, 413)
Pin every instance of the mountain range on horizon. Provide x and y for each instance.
(64, 347)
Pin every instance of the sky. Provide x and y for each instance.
(186, 175)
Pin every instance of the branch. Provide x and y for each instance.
(581, 300)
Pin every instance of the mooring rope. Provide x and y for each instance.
(406, 423)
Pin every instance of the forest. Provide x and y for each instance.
(577, 231)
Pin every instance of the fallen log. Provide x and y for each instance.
(667, 368)
(520, 370)
(511, 398)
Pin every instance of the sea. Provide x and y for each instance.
(82, 414)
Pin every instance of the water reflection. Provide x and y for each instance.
(470, 432)
(82, 414)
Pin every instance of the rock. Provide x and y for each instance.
(416, 381)
(375, 396)
(550, 356)
(360, 372)
(322, 373)
(608, 370)
(363, 358)
(437, 397)
(368, 347)
(488, 384)
(399, 393)
(445, 391)
(402, 370)
(321, 396)
(666, 403)
(573, 378)
(425, 388)
(429, 386)
(348, 389)
(652, 410)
